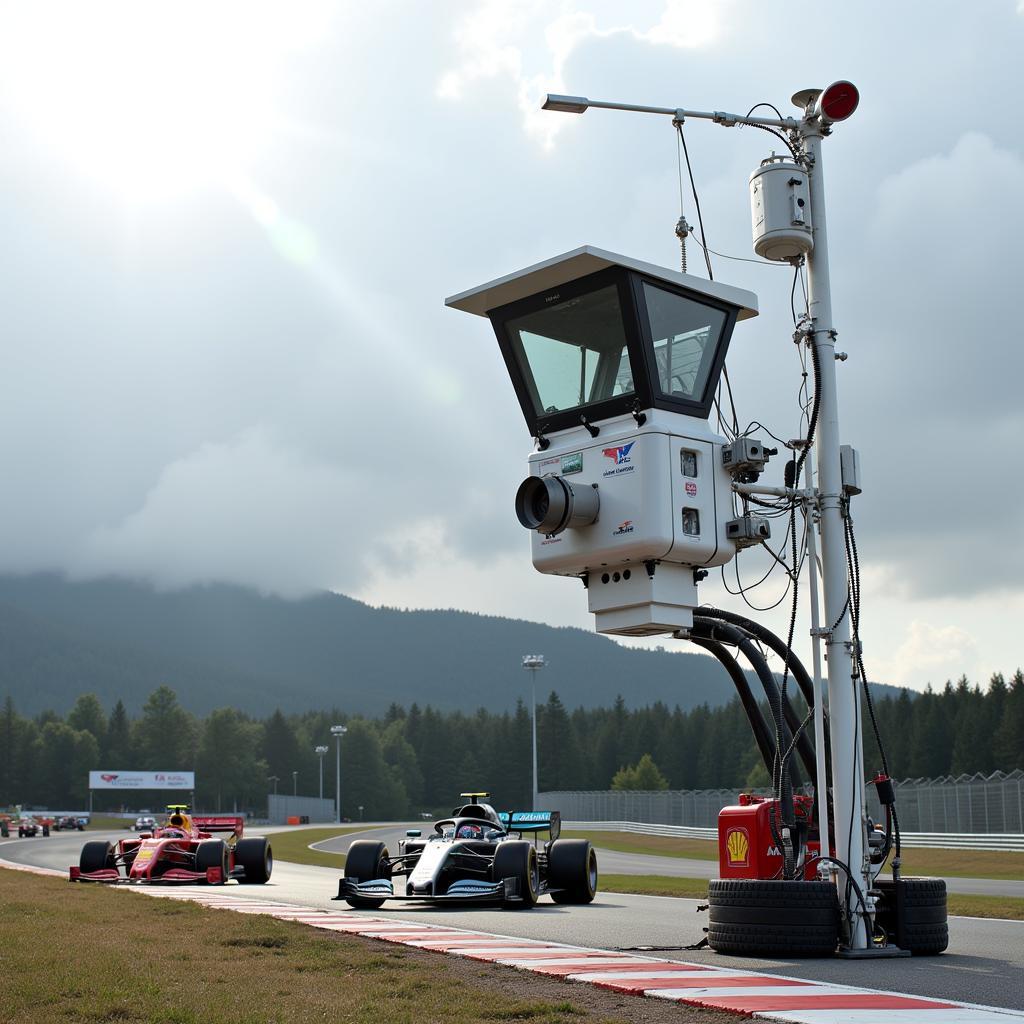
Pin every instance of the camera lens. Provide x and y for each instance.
(550, 504)
(540, 504)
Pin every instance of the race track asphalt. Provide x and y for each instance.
(985, 962)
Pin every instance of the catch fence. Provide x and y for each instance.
(934, 812)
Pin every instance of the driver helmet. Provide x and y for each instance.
(469, 832)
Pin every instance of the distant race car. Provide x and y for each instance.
(144, 824)
(29, 827)
(69, 823)
(182, 850)
(475, 856)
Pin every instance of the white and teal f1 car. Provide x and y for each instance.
(475, 856)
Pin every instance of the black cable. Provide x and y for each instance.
(750, 705)
(853, 564)
(849, 874)
(738, 259)
(812, 423)
(774, 131)
(770, 106)
(696, 201)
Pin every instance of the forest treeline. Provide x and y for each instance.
(419, 759)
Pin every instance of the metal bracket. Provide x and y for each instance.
(822, 633)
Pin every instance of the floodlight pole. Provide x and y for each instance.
(843, 696)
(532, 663)
(337, 731)
(320, 751)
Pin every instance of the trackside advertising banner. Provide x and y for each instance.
(142, 780)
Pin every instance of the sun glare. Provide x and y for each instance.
(153, 99)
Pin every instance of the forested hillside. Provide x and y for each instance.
(221, 646)
(417, 758)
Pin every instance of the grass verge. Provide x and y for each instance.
(294, 846)
(658, 846)
(923, 861)
(963, 863)
(656, 885)
(64, 951)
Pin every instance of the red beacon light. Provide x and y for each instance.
(837, 101)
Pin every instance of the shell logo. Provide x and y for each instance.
(737, 846)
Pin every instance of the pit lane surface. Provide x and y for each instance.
(985, 964)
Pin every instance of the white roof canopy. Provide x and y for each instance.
(587, 259)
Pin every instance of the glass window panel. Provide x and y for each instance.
(573, 353)
(685, 336)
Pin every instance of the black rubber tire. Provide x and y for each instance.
(925, 929)
(572, 870)
(516, 858)
(256, 859)
(767, 917)
(366, 861)
(96, 856)
(46, 830)
(213, 853)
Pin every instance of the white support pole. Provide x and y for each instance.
(821, 771)
(847, 795)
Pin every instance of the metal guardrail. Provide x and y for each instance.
(1009, 842)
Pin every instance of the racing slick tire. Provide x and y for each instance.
(96, 855)
(771, 917)
(572, 871)
(256, 859)
(213, 853)
(46, 830)
(366, 861)
(516, 858)
(925, 930)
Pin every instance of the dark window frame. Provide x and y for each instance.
(675, 403)
(639, 346)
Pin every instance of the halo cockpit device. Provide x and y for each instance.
(616, 363)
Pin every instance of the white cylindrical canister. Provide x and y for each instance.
(780, 207)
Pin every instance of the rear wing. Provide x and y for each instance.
(220, 823)
(532, 821)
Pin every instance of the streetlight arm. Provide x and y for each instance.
(580, 104)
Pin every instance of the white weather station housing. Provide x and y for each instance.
(617, 365)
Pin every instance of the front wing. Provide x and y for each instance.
(464, 891)
(173, 876)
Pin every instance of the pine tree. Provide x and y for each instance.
(117, 748)
(87, 715)
(280, 749)
(644, 775)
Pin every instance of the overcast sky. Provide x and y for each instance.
(228, 230)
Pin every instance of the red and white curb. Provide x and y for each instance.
(748, 993)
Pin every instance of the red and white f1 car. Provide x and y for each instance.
(181, 851)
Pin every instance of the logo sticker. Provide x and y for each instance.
(737, 848)
(623, 527)
(572, 463)
(108, 778)
(691, 488)
(619, 455)
(621, 459)
(143, 855)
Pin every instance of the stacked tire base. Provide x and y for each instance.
(746, 993)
